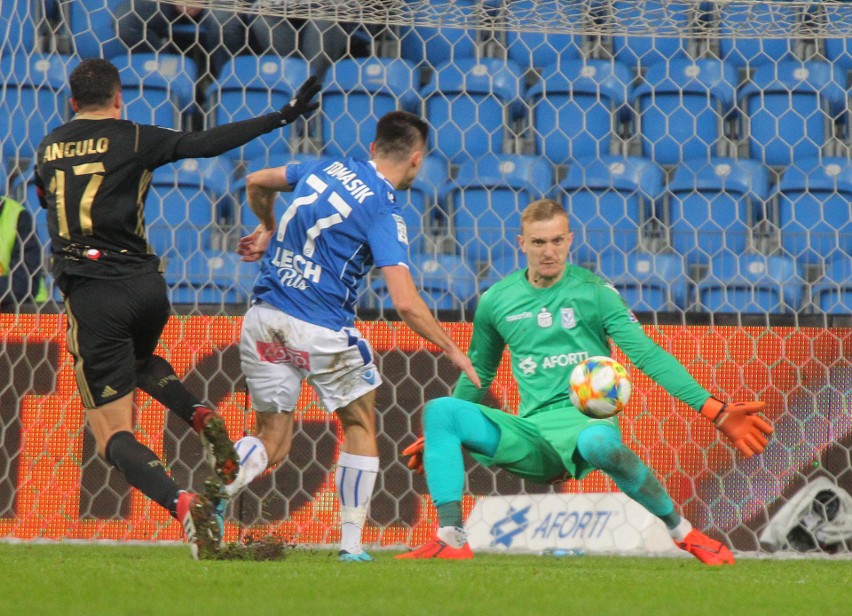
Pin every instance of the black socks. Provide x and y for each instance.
(157, 378)
(142, 469)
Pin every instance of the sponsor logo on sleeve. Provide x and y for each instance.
(401, 230)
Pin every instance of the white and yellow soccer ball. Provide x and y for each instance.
(600, 387)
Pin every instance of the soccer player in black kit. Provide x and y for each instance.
(93, 175)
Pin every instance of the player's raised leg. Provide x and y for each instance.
(602, 447)
(355, 477)
(156, 377)
(267, 447)
(448, 425)
(112, 426)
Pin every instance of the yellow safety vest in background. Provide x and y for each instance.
(8, 235)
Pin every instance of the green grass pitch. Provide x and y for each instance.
(39, 579)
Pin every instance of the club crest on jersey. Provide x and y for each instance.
(568, 319)
(545, 319)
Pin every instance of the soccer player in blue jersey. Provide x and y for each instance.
(343, 220)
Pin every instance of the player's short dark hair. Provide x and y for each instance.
(399, 133)
(94, 82)
(540, 210)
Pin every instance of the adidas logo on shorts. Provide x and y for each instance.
(107, 392)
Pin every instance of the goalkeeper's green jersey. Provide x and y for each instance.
(549, 331)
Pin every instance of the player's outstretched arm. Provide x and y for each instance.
(415, 313)
(740, 422)
(220, 139)
(302, 103)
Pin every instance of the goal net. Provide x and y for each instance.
(700, 148)
(772, 19)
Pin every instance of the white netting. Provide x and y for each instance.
(702, 149)
(663, 18)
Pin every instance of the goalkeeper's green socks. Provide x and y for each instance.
(450, 514)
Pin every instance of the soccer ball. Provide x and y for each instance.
(600, 387)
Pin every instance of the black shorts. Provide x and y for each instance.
(112, 324)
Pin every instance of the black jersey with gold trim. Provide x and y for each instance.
(93, 175)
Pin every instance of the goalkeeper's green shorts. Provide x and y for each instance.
(542, 447)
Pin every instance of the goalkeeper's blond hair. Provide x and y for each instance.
(542, 209)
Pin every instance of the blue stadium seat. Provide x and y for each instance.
(814, 212)
(18, 26)
(445, 282)
(832, 293)
(469, 104)
(205, 277)
(356, 94)
(34, 100)
(536, 49)
(713, 204)
(486, 198)
(682, 105)
(755, 19)
(670, 19)
(252, 85)
(434, 46)
(576, 106)
(837, 50)
(791, 108)
(182, 205)
(751, 284)
(157, 88)
(648, 282)
(93, 28)
(419, 203)
(608, 199)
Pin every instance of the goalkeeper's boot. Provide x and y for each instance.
(195, 513)
(707, 550)
(218, 447)
(350, 557)
(438, 549)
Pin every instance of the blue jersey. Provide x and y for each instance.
(343, 219)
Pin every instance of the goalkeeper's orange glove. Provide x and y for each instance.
(740, 422)
(415, 451)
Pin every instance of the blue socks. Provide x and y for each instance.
(601, 446)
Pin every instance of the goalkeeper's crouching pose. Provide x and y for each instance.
(554, 309)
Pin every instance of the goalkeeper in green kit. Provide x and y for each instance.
(552, 316)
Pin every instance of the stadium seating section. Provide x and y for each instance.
(700, 174)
